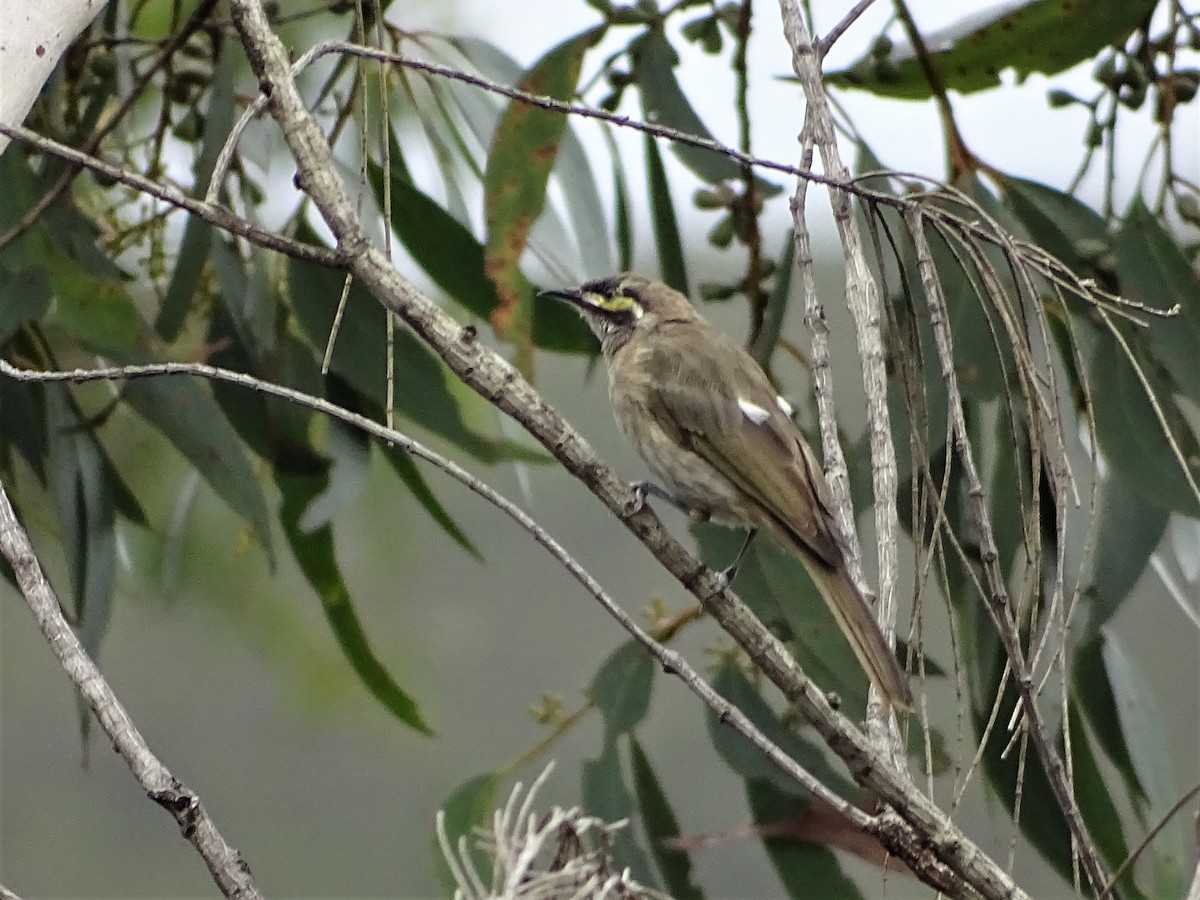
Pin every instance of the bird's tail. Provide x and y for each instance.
(857, 622)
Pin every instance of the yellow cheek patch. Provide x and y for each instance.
(616, 304)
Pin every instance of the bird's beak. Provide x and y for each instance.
(574, 297)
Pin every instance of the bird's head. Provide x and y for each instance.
(621, 306)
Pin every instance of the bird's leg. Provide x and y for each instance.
(730, 572)
(647, 489)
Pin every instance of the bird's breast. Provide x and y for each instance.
(683, 473)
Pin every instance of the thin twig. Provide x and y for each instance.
(862, 298)
(997, 599)
(229, 870)
(209, 212)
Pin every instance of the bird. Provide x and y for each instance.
(709, 425)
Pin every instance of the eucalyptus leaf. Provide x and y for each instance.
(1046, 36)
(799, 864)
(622, 687)
(315, 554)
(606, 795)
(468, 807)
(660, 824)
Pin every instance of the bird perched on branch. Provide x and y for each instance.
(709, 425)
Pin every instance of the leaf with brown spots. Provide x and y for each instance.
(1046, 36)
(518, 170)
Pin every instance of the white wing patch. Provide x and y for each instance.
(786, 408)
(753, 411)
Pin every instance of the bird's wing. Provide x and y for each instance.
(736, 425)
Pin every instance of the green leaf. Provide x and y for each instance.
(1060, 223)
(1100, 813)
(664, 103)
(1130, 434)
(468, 807)
(314, 552)
(452, 256)
(24, 297)
(423, 393)
(1153, 270)
(86, 515)
(23, 423)
(777, 303)
(718, 545)
(198, 234)
(1046, 36)
(660, 824)
(1020, 773)
(98, 312)
(817, 642)
(1120, 708)
(188, 416)
(606, 795)
(522, 154)
(624, 220)
(1130, 530)
(404, 467)
(671, 260)
(622, 687)
(799, 864)
(746, 760)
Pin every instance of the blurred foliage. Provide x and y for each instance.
(1047, 378)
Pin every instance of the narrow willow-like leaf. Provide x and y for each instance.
(622, 687)
(314, 552)
(660, 824)
(671, 260)
(522, 154)
(606, 795)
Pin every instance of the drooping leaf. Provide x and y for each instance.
(1120, 708)
(799, 864)
(1131, 435)
(404, 467)
(24, 297)
(671, 260)
(660, 824)
(423, 394)
(746, 760)
(606, 795)
(315, 554)
(1099, 811)
(622, 687)
(523, 151)
(468, 807)
(98, 312)
(454, 258)
(1046, 36)
(1058, 222)
(188, 416)
(664, 102)
(1153, 270)
(1130, 530)
(197, 234)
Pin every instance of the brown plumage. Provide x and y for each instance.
(711, 428)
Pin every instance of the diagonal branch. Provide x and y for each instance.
(229, 870)
(494, 378)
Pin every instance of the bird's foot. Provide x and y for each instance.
(730, 572)
(647, 489)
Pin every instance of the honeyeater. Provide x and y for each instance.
(713, 431)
